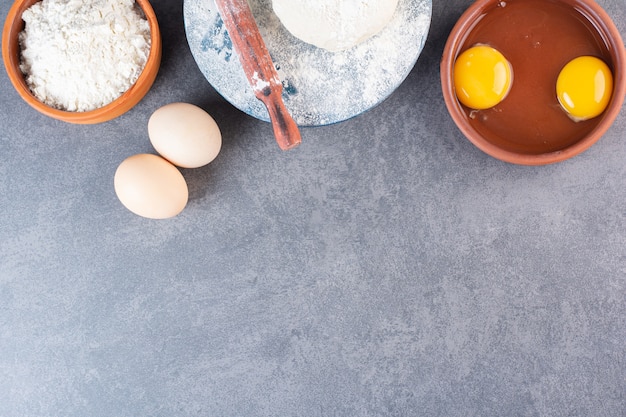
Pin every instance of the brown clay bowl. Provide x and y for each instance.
(528, 127)
(11, 56)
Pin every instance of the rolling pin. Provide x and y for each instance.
(259, 69)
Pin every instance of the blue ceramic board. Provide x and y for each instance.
(319, 87)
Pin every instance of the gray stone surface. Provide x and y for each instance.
(384, 268)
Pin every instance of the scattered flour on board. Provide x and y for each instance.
(320, 87)
(79, 55)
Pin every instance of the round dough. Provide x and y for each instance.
(334, 25)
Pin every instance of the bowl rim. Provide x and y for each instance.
(10, 48)
(603, 24)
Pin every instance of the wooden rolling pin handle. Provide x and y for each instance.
(285, 128)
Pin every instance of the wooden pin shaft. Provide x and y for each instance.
(259, 69)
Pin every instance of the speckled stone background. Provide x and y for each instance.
(384, 268)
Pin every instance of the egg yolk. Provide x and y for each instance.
(584, 87)
(482, 77)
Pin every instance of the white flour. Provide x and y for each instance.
(80, 55)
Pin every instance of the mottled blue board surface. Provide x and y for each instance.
(320, 87)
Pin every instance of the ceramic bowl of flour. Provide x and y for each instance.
(89, 89)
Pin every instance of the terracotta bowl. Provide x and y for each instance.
(11, 56)
(529, 127)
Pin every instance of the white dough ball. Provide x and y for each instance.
(334, 25)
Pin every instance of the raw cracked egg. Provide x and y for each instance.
(151, 187)
(482, 77)
(185, 135)
(584, 87)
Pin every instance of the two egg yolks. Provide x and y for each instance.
(483, 78)
(584, 87)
